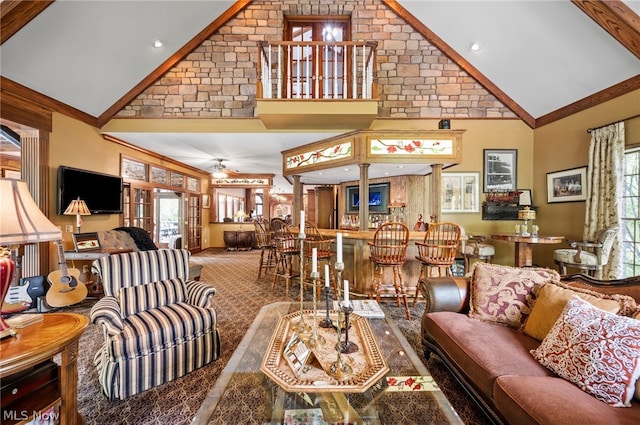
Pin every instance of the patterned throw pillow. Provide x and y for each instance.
(151, 295)
(503, 294)
(596, 350)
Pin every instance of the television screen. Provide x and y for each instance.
(101, 192)
(378, 198)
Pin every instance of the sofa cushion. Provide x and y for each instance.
(594, 349)
(157, 329)
(503, 294)
(552, 400)
(151, 295)
(481, 350)
(551, 301)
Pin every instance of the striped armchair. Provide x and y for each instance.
(157, 325)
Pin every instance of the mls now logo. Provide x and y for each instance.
(23, 415)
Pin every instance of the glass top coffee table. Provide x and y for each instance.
(243, 394)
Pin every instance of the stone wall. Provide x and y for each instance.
(218, 79)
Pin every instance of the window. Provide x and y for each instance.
(631, 213)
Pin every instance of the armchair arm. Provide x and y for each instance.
(445, 293)
(106, 312)
(580, 245)
(200, 293)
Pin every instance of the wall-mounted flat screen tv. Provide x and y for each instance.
(101, 192)
(378, 198)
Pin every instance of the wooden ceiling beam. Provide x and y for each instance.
(617, 19)
(15, 14)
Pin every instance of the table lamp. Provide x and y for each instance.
(526, 214)
(78, 208)
(241, 215)
(21, 222)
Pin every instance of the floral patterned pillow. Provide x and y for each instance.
(596, 350)
(503, 294)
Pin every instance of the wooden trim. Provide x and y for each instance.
(172, 61)
(15, 14)
(602, 96)
(121, 142)
(44, 102)
(617, 19)
(23, 111)
(432, 38)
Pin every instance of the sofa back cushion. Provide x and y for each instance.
(504, 294)
(137, 268)
(151, 295)
(551, 301)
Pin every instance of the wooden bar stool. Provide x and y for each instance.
(389, 249)
(324, 254)
(287, 248)
(437, 251)
(264, 239)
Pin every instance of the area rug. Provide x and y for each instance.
(239, 298)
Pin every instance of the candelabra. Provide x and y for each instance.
(338, 369)
(326, 322)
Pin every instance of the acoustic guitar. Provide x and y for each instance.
(66, 289)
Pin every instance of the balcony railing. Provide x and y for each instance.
(317, 70)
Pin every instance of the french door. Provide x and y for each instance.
(317, 71)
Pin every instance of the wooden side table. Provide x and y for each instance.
(57, 333)
(524, 246)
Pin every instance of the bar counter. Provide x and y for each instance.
(358, 270)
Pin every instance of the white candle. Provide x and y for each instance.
(314, 260)
(346, 293)
(301, 222)
(339, 248)
(326, 275)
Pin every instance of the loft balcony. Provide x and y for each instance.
(317, 85)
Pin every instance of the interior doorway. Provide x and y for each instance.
(169, 218)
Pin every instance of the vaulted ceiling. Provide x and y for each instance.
(542, 59)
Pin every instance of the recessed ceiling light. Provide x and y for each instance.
(346, 169)
(475, 46)
(400, 166)
(157, 44)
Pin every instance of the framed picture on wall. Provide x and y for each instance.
(567, 185)
(86, 241)
(460, 192)
(206, 201)
(500, 170)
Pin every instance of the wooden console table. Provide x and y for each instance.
(524, 245)
(238, 239)
(57, 333)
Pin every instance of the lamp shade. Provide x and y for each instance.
(77, 207)
(526, 214)
(21, 220)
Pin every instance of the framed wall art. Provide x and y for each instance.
(500, 170)
(567, 185)
(460, 192)
(525, 199)
(86, 242)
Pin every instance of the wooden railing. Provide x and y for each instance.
(317, 70)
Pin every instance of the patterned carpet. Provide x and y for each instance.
(238, 300)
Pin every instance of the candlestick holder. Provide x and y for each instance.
(326, 322)
(315, 340)
(338, 369)
(302, 327)
(347, 347)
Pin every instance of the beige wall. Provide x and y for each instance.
(79, 145)
(564, 144)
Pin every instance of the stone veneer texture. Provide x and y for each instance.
(218, 79)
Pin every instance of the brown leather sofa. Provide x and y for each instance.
(494, 364)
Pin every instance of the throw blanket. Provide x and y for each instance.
(140, 237)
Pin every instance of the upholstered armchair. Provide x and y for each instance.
(590, 256)
(157, 324)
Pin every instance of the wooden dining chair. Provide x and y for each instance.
(389, 250)
(324, 253)
(287, 247)
(437, 252)
(267, 246)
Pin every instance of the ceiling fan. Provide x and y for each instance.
(218, 170)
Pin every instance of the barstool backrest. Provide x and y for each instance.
(440, 244)
(389, 244)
